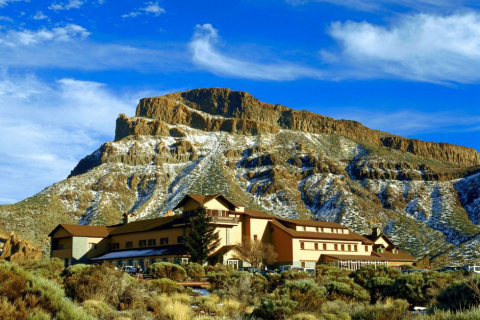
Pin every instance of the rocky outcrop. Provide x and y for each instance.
(17, 250)
(218, 109)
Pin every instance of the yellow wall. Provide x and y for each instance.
(172, 235)
(398, 263)
(60, 233)
(382, 241)
(310, 254)
(260, 228)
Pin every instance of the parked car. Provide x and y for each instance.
(311, 271)
(129, 269)
(474, 269)
(412, 270)
(250, 269)
(456, 269)
(290, 268)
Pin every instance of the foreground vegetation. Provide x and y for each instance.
(45, 290)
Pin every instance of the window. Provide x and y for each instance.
(115, 245)
(349, 248)
(343, 247)
(164, 240)
(336, 246)
(183, 260)
(171, 260)
(366, 248)
(255, 237)
(142, 243)
(324, 246)
(316, 246)
(152, 242)
(355, 248)
(180, 239)
(380, 250)
(60, 247)
(301, 228)
(303, 264)
(302, 245)
(129, 244)
(146, 263)
(395, 251)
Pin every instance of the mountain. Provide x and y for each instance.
(286, 162)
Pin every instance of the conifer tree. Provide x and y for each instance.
(203, 239)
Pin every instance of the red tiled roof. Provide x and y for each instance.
(257, 214)
(351, 236)
(313, 223)
(400, 256)
(144, 225)
(84, 231)
(202, 199)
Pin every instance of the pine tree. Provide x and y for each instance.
(203, 239)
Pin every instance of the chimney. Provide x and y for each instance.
(376, 232)
(128, 217)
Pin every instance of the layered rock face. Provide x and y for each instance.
(243, 114)
(285, 162)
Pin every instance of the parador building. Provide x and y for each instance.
(304, 243)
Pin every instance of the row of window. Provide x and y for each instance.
(320, 229)
(145, 243)
(336, 247)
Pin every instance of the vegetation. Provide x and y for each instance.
(257, 253)
(42, 290)
(203, 239)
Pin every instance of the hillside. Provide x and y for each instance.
(282, 161)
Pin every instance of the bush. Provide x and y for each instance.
(105, 284)
(294, 296)
(166, 286)
(195, 271)
(376, 279)
(346, 289)
(167, 270)
(457, 296)
(46, 268)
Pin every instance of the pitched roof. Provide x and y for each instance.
(354, 257)
(84, 231)
(258, 214)
(144, 225)
(222, 250)
(141, 252)
(351, 236)
(202, 199)
(400, 256)
(312, 223)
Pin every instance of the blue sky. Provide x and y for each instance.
(69, 67)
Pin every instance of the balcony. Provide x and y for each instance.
(221, 217)
(62, 253)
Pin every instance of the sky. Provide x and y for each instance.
(68, 68)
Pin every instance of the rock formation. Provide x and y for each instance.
(17, 250)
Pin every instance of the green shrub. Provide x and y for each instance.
(165, 285)
(457, 296)
(376, 279)
(167, 270)
(325, 273)
(46, 268)
(75, 269)
(346, 289)
(195, 271)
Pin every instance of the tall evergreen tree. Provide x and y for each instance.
(203, 239)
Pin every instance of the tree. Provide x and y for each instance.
(255, 252)
(202, 239)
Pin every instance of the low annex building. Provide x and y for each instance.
(298, 242)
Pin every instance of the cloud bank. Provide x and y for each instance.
(206, 55)
(420, 47)
(46, 128)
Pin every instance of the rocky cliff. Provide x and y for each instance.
(16, 250)
(282, 161)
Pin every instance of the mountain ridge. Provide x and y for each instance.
(174, 146)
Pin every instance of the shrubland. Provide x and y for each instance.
(45, 290)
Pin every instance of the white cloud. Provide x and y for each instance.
(420, 47)
(71, 4)
(408, 122)
(374, 5)
(46, 128)
(4, 18)
(69, 47)
(39, 16)
(150, 8)
(4, 3)
(206, 55)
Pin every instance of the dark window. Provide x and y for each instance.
(302, 245)
(60, 247)
(366, 248)
(255, 237)
(349, 248)
(303, 264)
(336, 246)
(115, 245)
(324, 246)
(129, 244)
(355, 248)
(109, 246)
(343, 247)
(316, 246)
(180, 239)
(142, 243)
(163, 240)
(152, 242)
